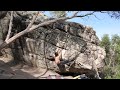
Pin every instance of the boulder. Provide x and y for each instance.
(78, 43)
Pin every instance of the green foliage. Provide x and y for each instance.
(58, 14)
(107, 72)
(112, 72)
(115, 45)
(105, 42)
(117, 72)
(112, 48)
(115, 39)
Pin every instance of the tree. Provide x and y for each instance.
(115, 45)
(105, 43)
(112, 47)
(112, 14)
(58, 14)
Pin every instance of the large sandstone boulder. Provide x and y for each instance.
(79, 45)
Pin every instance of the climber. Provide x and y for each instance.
(58, 56)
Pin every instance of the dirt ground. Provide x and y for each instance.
(10, 70)
(20, 71)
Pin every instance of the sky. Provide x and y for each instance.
(103, 24)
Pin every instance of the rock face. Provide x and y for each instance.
(79, 45)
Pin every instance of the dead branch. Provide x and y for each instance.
(33, 20)
(104, 11)
(52, 21)
(96, 17)
(88, 14)
(9, 40)
(30, 28)
(24, 31)
(10, 26)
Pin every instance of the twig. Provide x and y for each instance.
(86, 14)
(103, 11)
(96, 17)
